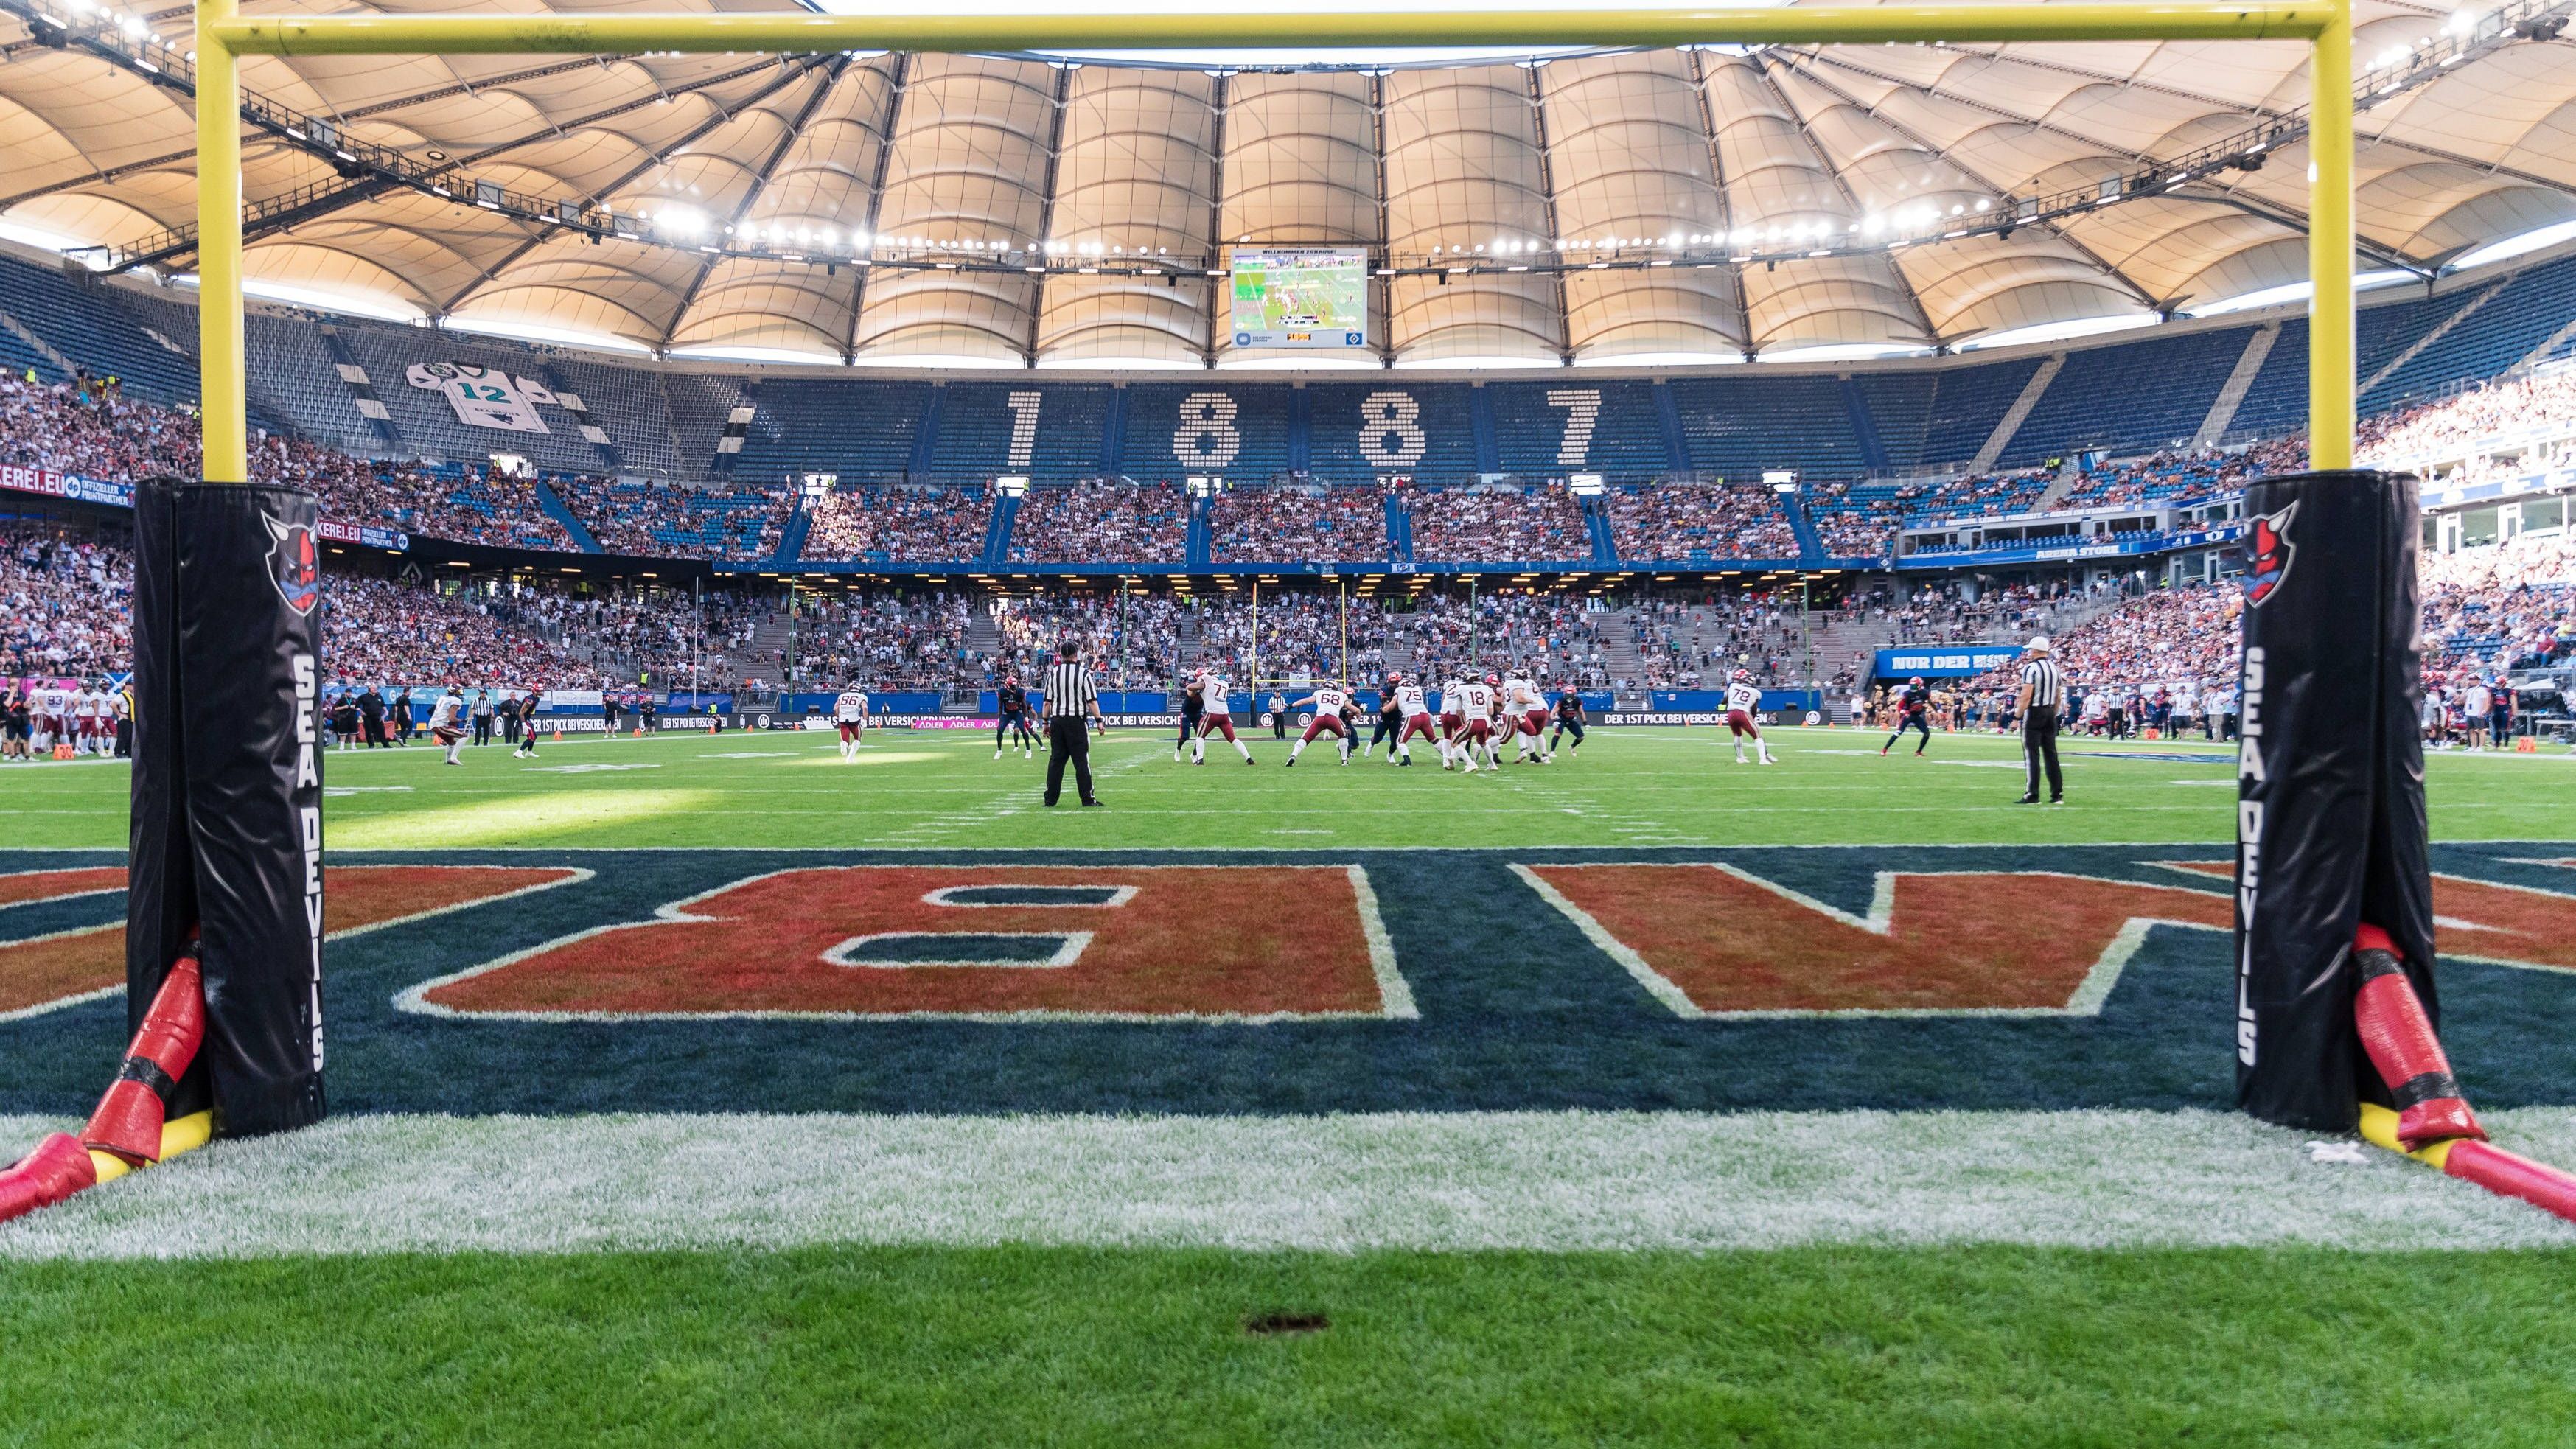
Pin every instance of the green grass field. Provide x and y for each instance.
(938, 788)
(1927, 1293)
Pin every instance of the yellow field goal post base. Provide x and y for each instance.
(223, 36)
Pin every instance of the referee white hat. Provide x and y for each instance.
(2038, 643)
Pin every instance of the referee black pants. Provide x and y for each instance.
(2039, 751)
(1068, 740)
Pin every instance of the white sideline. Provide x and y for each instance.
(1549, 1181)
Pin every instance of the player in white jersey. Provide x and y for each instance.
(1416, 712)
(1743, 697)
(850, 713)
(85, 704)
(1453, 723)
(1525, 716)
(447, 722)
(53, 717)
(1329, 701)
(1476, 701)
(1216, 712)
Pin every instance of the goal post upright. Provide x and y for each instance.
(223, 36)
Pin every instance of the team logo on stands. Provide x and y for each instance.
(2268, 551)
(295, 564)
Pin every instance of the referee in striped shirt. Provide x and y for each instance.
(1072, 703)
(2043, 692)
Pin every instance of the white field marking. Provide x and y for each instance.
(1394, 1000)
(1657, 985)
(573, 875)
(2087, 999)
(755, 755)
(1394, 993)
(1068, 949)
(2448, 922)
(591, 769)
(1435, 1181)
(2227, 784)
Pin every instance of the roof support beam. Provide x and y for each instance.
(831, 75)
(625, 179)
(1834, 172)
(1717, 178)
(1220, 289)
(1547, 206)
(1930, 147)
(898, 82)
(1046, 207)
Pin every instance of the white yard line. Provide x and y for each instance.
(1560, 1181)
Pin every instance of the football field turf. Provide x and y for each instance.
(713, 1089)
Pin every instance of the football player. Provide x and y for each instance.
(850, 712)
(1743, 697)
(1913, 712)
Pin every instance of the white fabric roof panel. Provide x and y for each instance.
(979, 155)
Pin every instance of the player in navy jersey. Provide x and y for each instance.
(1569, 721)
(1913, 712)
(1390, 717)
(1014, 720)
(1193, 709)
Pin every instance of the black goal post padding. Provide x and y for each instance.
(2330, 785)
(227, 822)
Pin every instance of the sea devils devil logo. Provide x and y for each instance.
(295, 564)
(2268, 552)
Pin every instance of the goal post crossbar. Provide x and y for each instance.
(223, 35)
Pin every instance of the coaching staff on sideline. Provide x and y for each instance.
(1072, 703)
(2043, 691)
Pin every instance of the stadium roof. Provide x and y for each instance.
(1637, 207)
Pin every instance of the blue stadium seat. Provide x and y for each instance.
(1347, 423)
(1580, 425)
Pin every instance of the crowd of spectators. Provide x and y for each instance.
(2180, 641)
(2512, 606)
(1295, 637)
(66, 602)
(898, 524)
(2181, 477)
(1555, 638)
(91, 427)
(668, 520)
(1679, 521)
(379, 630)
(1101, 521)
(1293, 524)
(1685, 645)
(915, 640)
(1135, 638)
(2439, 431)
(1498, 525)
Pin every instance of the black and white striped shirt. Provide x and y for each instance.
(2047, 686)
(1069, 690)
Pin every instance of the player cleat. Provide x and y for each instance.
(1247, 759)
(1883, 749)
(1292, 762)
(997, 754)
(1404, 764)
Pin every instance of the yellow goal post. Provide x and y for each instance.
(223, 35)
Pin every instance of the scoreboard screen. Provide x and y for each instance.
(1304, 297)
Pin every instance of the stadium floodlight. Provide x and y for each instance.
(223, 35)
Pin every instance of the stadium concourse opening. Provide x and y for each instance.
(540, 641)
